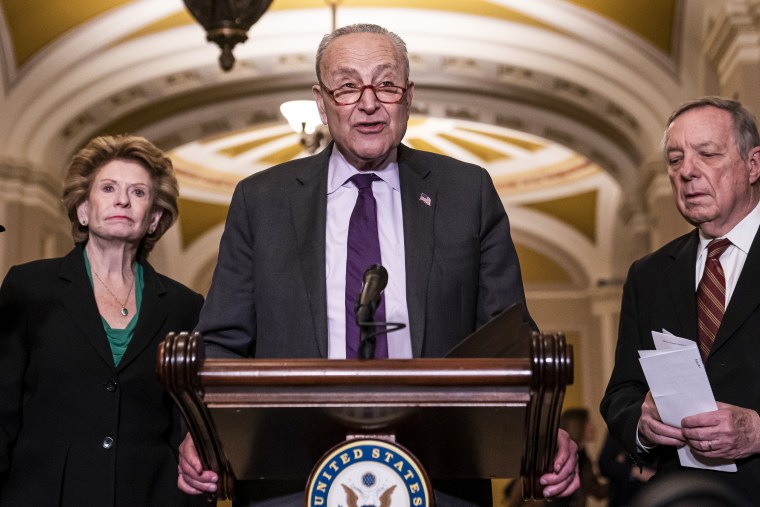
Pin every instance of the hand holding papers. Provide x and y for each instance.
(680, 388)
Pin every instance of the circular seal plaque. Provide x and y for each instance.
(368, 473)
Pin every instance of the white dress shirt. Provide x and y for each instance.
(733, 258)
(341, 197)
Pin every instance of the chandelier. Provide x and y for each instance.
(227, 22)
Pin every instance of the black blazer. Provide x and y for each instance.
(268, 296)
(660, 294)
(75, 429)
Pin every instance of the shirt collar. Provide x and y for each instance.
(741, 236)
(339, 171)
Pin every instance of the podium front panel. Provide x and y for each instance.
(461, 418)
(452, 443)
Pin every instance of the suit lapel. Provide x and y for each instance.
(308, 204)
(79, 301)
(152, 316)
(745, 299)
(419, 240)
(682, 276)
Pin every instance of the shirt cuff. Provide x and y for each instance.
(639, 446)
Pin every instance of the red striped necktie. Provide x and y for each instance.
(711, 296)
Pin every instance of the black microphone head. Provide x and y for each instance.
(373, 284)
(377, 270)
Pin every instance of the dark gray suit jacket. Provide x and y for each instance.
(268, 296)
(660, 294)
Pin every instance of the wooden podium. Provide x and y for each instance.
(462, 418)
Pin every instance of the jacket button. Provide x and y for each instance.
(111, 386)
(107, 443)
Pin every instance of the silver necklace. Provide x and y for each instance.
(124, 311)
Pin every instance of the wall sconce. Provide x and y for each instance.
(227, 22)
(303, 117)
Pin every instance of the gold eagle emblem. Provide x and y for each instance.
(352, 497)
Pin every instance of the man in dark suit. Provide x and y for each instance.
(279, 289)
(712, 151)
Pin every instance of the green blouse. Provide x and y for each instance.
(119, 339)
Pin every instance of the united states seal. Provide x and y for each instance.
(368, 473)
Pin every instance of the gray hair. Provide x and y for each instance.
(745, 125)
(397, 41)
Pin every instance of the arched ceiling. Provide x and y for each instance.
(562, 101)
(34, 25)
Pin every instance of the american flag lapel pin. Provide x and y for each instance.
(424, 198)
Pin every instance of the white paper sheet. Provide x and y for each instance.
(680, 388)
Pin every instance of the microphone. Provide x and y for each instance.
(374, 282)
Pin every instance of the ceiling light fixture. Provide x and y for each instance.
(227, 22)
(303, 115)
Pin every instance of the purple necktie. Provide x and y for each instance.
(363, 250)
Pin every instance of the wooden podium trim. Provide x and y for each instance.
(180, 356)
(552, 371)
(353, 382)
(535, 384)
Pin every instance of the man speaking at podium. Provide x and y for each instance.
(299, 236)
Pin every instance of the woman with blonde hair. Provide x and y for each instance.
(83, 418)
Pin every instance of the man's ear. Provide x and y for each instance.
(317, 91)
(409, 94)
(753, 160)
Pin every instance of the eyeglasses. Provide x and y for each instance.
(387, 94)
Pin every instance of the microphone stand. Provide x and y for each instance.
(365, 319)
(370, 297)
